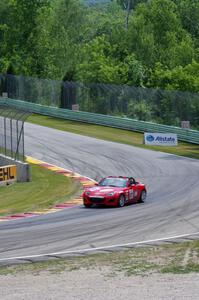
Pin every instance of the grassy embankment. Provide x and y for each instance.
(178, 259)
(45, 189)
(113, 134)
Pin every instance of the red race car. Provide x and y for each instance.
(115, 191)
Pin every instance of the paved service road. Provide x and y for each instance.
(171, 208)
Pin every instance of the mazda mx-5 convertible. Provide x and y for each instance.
(115, 191)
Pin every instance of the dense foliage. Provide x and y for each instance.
(142, 43)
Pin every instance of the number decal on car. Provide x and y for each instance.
(131, 194)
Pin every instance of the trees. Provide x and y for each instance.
(98, 64)
(5, 11)
(128, 6)
(179, 78)
(20, 36)
(189, 14)
(64, 39)
(156, 35)
(67, 40)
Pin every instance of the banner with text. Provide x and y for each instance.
(160, 139)
(8, 174)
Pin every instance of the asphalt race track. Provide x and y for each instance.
(171, 208)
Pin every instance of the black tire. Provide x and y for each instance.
(142, 196)
(87, 205)
(121, 201)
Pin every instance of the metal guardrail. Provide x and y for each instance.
(186, 135)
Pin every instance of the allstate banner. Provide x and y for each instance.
(160, 139)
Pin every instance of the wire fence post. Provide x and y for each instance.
(12, 132)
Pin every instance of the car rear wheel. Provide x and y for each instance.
(121, 201)
(142, 196)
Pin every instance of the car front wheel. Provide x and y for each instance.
(142, 196)
(87, 205)
(121, 201)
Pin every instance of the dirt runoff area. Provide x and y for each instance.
(167, 272)
(97, 284)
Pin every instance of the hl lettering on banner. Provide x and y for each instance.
(8, 174)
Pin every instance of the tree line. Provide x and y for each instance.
(142, 43)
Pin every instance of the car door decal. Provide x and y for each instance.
(135, 193)
(131, 194)
(127, 195)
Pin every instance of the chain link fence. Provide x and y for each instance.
(12, 132)
(155, 105)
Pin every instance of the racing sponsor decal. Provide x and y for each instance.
(8, 174)
(160, 139)
(130, 194)
(106, 190)
(95, 188)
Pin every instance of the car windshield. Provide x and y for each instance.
(116, 182)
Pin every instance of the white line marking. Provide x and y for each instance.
(98, 248)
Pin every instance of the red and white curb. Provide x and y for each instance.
(84, 181)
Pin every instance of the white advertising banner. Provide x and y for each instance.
(160, 139)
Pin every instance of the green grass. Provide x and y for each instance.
(177, 259)
(45, 189)
(113, 134)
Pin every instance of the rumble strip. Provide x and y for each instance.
(85, 182)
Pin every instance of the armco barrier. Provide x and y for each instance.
(186, 135)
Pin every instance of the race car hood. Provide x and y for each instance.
(102, 191)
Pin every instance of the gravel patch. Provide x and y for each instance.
(97, 284)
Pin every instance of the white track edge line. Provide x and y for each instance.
(98, 248)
